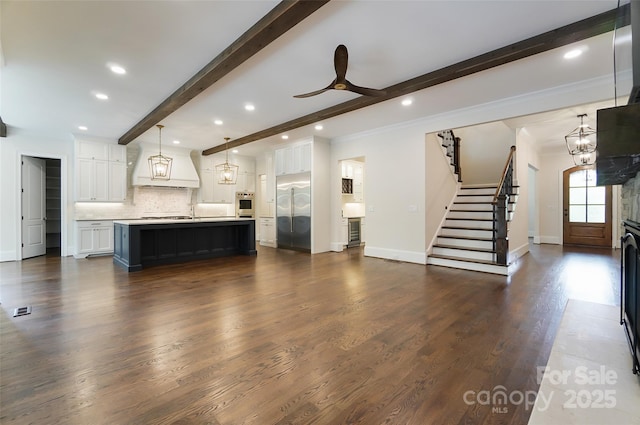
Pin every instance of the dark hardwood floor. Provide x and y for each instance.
(282, 338)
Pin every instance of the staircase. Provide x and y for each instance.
(466, 239)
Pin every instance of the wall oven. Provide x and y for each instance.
(245, 205)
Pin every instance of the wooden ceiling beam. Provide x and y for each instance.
(279, 20)
(577, 31)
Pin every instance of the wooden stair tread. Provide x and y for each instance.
(469, 260)
(467, 238)
(464, 248)
(469, 219)
(467, 228)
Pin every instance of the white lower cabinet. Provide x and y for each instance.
(344, 230)
(93, 237)
(268, 232)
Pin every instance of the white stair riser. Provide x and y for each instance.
(477, 207)
(476, 198)
(484, 191)
(487, 268)
(469, 223)
(485, 234)
(464, 243)
(477, 191)
(485, 215)
(482, 215)
(464, 254)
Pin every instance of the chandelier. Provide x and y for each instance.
(227, 173)
(582, 148)
(160, 165)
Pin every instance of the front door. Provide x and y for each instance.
(587, 208)
(33, 207)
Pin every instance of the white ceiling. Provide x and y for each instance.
(56, 55)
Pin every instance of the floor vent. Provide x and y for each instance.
(22, 311)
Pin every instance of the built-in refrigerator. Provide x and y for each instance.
(293, 211)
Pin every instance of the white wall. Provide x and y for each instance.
(12, 148)
(395, 191)
(441, 186)
(483, 151)
(552, 164)
(526, 156)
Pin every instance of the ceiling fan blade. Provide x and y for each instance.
(314, 93)
(340, 59)
(365, 91)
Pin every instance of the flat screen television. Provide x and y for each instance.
(618, 137)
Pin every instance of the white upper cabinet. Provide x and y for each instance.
(213, 192)
(293, 159)
(117, 153)
(93, 150)
(101, 172)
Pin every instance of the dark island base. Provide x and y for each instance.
(143, 245)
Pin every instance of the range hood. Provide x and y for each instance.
(183, 172)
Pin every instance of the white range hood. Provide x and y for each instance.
(183, 172)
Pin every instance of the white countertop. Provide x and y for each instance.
(181, 220)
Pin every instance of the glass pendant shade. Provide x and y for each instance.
(586, 158)
(227, 173)
(160, 165)
(581, 143)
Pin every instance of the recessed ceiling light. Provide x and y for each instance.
(176, 142)
(249, 107)
(83, 127)
(102, 96)
(234, 151)
(285, 137)
(318, 127)
(407, 102)
(572, 54)
(218, 122)
(117, 69)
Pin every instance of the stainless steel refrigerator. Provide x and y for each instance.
(293, 211)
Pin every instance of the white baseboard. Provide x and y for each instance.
(336, 247)
(536, 240)
(396, 254)
(514, 254)
(8, 256)
(554, 240)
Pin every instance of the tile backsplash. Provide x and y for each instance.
(145, 201)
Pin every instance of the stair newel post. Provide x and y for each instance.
(500, 223)
(456, 157)
(501, 210)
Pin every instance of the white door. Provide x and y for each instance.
(33, 207)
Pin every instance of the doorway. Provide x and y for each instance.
(41, 207)
(586, 208)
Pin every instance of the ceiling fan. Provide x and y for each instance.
(340, 58)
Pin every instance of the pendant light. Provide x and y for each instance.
(582, 148)
(160, 165)
(227, 173)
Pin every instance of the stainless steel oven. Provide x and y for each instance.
(245, 205)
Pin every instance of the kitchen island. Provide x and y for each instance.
(150, 242)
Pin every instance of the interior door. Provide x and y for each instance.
(33, 207)
(587, 208)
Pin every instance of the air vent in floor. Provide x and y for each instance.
(22, 311)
